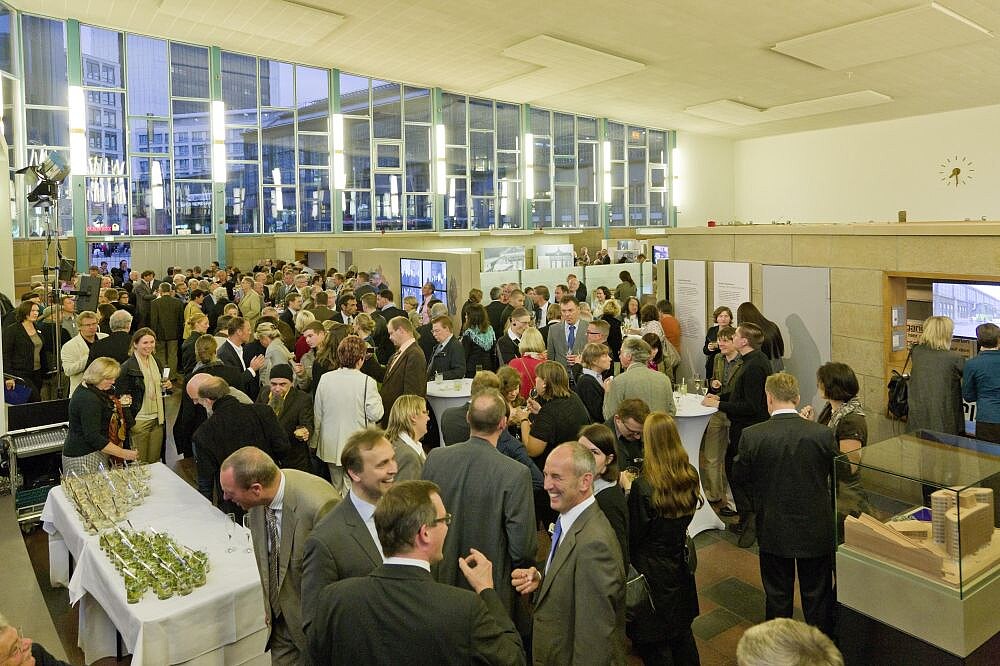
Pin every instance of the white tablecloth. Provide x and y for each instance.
(445, 396)
(692, 419)
(220, 623)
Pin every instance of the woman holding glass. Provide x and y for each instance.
(557, 413)
(722, 316)
(661, 504)
(141, 380)
(97, 421)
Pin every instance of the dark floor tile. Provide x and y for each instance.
(709, 656)
(708, 625)
(725, 643)
(707, 538)
(743, 599)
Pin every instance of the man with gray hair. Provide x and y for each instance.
(638, 381)
(16, 648)
(116, 345)
(425, 338)
(76, 351)
(283, 506)
(786, 641)
(584, 569)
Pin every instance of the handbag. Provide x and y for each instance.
(638, 597)
(897, 406)
(690, 555)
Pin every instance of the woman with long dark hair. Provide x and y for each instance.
(626, 287)
(773, 345)
(600, 440)
(661, 504)
(24, 348)
(478, 340)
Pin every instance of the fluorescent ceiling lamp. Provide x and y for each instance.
(677, 163)
(439, 159)
(77, 131)
(606, 170)
(339, 162)
(529, 166)
(219, 162)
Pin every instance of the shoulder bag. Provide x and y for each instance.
(897, 405)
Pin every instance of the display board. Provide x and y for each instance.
(413, 273)
(550, 277)
(797, 299)
(689, 308)
(554, 256)
(488, 280)
(607, 275)
(730, 284)
(507, 258)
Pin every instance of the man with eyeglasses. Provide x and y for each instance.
(76, 351)
(507, 345)
(18, 650)
(355, 620)
(627, 425)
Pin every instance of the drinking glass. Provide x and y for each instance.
(683, 388)
(230, 530)
(697, 383)
(246, 526)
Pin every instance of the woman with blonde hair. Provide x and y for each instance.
(532, 350)
(611, 313)
(275, 352)
(198, 325)
(557, 414)
(661, 504)
(97, 421)
(407, 425)
(935, 389)
(302, 319)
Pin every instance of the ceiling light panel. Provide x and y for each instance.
(736, 113)
(920, 29)
(269, 19)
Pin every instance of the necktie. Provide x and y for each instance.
(556, 536)
(572, 336)
(517, 342)
(271, 519)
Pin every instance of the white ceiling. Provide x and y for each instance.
(662, 56)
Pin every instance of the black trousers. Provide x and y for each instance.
(988, 432)
(679, 651)
(741, 495)
(815, 586)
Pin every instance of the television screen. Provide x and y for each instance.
(660, 253)
(414, 273)
(969, 304)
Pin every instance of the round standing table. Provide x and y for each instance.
(692, 419)
(447, 394)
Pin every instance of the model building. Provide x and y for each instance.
(961, 532)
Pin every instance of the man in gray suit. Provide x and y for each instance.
(344, 544)
(490, 496)
(638, 381)
(166, 318)
(568, 337)
(283, 506)
(584, 569)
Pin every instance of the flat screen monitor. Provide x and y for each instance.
(660, 253)
(968, 304)
(414, 273)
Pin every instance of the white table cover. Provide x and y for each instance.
(692, 419)
(445, 396)
(220, 623)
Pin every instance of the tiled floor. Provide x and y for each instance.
(729, 592)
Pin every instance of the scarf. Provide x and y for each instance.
(852, 406)
(483, 340)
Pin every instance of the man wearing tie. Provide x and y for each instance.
(449, 356)
(344, 543)
(584, 569)
(283, 506)
(406, 371)
(566, 340)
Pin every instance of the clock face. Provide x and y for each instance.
(956, 170)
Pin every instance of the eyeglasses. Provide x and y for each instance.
(17, 649)
(589, 332)
(446, 519)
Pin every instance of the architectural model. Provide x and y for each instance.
(960, 541)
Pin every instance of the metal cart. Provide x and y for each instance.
(34, 461)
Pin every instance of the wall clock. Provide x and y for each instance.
(957, 170)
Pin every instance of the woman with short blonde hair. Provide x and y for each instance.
(407, 425)
(935, 388)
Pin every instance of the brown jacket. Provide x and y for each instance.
(404, 374)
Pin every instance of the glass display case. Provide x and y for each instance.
(922, 506)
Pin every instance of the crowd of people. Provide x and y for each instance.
(303, 405)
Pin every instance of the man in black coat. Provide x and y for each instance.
(232, 353)
(417, 618)
(495, 310)
(166, 318)
(230, 427)
(745, 407)
(117, 344)
(448, 357)
(386, 306)
(786, 464)
(294, 409)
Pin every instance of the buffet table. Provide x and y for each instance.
(220, 623)
(692, 419)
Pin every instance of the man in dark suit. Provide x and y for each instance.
(567, 338)
(117, 344)
(380, 335)
(425, 338)
(166, 318)
(321, 307)
(584, 569)
(415, 618)
(406, 371)
(231, 353)
(508, 343)
(294, 410)
(745, 407)
(490, 497)
(386, 307)
(283, 505)
(142, 292)
(347, 307)
(495, 310)
(293, 303)
(230, 426)
(785, 463)
(577, 288)
(448, 357)
(345, 544)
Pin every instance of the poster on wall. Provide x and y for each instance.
(731, 284)
(554, 256)
(503, 259)
(626, 251)
(689, 308)
(414, 273)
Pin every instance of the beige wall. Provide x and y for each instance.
(860, 258)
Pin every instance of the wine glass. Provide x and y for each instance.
(230, 530)
(246, 526)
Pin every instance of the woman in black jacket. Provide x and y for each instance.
(596, 359)
(600, 441)
(98, 423)
(611, 314)
(24, 348)
(661, 504)
(478, 340)
(722, 316)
